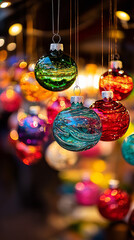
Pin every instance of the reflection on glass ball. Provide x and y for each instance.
(32, 90)
(128, 149)
(60, 158)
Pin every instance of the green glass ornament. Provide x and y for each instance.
(56, 71)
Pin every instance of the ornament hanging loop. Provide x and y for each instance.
(77, 90)
(57, 36)
(116, 56)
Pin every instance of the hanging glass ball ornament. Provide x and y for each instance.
(114, 203)
(60, 158)
(56, 71)
(32, 90)
(32, 129)
(116, 80)
(77, 128)
(128, 149)
(55, 106)
(86, 192)
(131, 223)
(114, 117)
(28, 154)
(10, 100)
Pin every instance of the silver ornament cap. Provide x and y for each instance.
(56, 46)
(34, 110)
(113, 183)
(115, 64)
(107, 94)
(77, 99)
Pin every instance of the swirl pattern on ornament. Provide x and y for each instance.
(128, 149)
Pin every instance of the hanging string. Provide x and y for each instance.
(55, 34)
(70, 28)
(102, 37)
(110, 26)
(115, 26)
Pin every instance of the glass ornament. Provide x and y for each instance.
(128, 149)
(55, 106)
(114, 203)
(114, 117)
(56, 71)
(60, 158)
(131, 223)
(116, 80)
(77, 128)
(32, 129)
(10, 100)
(86, 192)
(28, 154)
(32, 90)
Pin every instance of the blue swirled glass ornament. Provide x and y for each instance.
(77, 128)
(128, 149)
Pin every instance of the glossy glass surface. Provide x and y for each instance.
(118, 81)
(10, 100)
(128, 149)
(114, 204)
(114, 117)
(55, 106)
(56, 71)
(77, 128)
(87, 193)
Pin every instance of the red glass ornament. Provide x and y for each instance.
(55, 106)
(10, 100)
(114, 203)
(114, 117)
(131, 222)
(116, 80)
(28, 154)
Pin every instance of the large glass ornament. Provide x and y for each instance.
(77, 128)
(32, 90)
(114, 203)
(131, 223)
(128, 149)
(56, 71)
(28, 154)
(114, 117)
(32, 129)
(116, 80)
(10, 100)
(55, 106)
(86, 192)
(60, 158)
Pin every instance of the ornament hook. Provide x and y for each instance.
(58, 36)
(77, 90)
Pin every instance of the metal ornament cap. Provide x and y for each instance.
(107, 95)
(77, 99)
(115, 64)
(113, 183)
(56, 46)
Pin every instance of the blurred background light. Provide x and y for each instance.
(15, 29)
(5, 4)
(11, 46)
(3, 55)
(123, 15)
(2, 41)
(23, 64)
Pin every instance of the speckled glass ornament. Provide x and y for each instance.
(114, 117)
(56, 71)
(32, 90)
(116, 80)
(60, 158)
(128, 149)
(77, 128)
(55, 106)
(114, 203)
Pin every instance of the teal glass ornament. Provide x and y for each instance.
(56, 71)
(77, 128)
(128, 149)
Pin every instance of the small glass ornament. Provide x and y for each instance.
(128, 149)
(77, 128)
(10, 100)
(114, 203)
(28, 154)
(32, 129)
(117, 81)
(32, 90)
(131, 223)
(114, 117)
(55, 106)
(60, 158)
(56, 71)
(86, 192)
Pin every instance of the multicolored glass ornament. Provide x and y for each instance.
(60, 158)
(28, 154)
(114, 203)
(32, 90)
(131, 223)
(32, 129)
(86, 192)
(77, 128)
(114, 117)
(116, 80)
(128, 149)
(56, 71)
(10, 100)
(55, 106)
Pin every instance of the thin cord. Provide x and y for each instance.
(78, 33)
(75, 34)
(115, 25)
(110, 23)
(70, 28)
(102, 37)
(58, 21)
